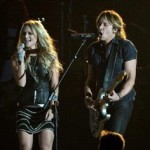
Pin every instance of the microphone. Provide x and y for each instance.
(20, 53)
(83, 35)
(21, 47)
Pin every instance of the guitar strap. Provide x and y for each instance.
(111, 64)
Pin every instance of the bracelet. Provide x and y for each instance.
(119, 96)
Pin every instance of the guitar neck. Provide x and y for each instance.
(119, 78)
(112, 87)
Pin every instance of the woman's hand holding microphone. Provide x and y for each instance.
(21, 53)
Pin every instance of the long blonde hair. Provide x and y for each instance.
(47, 56)
(115, 19)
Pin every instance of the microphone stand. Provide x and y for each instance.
(53, 93)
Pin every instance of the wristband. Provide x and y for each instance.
(119, 96)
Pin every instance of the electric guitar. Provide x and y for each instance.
(98, 117)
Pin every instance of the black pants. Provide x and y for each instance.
(121, 112)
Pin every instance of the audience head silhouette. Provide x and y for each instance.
(111, 141)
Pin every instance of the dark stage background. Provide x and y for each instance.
(62, 18)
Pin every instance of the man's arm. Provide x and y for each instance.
(130, 68)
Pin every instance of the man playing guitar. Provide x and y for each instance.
(111, 31)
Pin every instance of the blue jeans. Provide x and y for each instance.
(121, 112)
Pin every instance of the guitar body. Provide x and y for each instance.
(98, 118)
(103, 102)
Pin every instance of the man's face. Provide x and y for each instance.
(105, 31)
